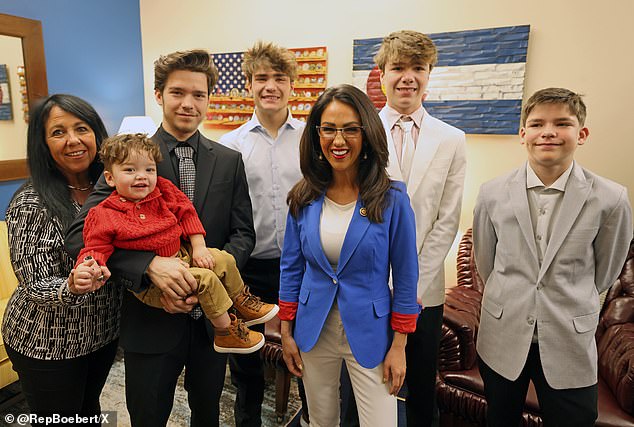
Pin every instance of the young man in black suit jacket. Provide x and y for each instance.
(159, 343)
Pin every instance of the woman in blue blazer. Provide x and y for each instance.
(348, 228)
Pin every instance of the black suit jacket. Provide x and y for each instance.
(224, 207)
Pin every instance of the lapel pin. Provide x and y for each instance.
(363, 212)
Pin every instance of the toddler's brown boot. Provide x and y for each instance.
(252, 310)
(237, 338)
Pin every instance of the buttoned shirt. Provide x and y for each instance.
(544, 203)
(272, 168)
(393, 117)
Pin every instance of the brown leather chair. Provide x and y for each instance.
(460, 388)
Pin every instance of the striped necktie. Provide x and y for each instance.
(407, 147)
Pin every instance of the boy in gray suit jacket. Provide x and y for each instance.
(549, 237)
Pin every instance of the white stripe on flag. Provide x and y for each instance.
(360, 79)
(477, 82)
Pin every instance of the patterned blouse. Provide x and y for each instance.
(43, 320)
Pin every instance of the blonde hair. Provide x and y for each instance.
(117, 149)
(407, 45)
(269, 55)
(556, 95)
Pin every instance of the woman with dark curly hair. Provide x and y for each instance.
(60, 337)
(348, 227)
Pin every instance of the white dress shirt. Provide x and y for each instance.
(393, 117)
(272, 168)
(544, 203)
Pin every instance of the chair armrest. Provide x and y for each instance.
(461, 318)
(616, 363)
(271, 353)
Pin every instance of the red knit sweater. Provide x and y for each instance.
(156, 223)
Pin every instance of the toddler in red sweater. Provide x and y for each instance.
(149, 213)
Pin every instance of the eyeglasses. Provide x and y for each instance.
(329, 132)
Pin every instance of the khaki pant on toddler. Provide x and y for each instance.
(217, 288)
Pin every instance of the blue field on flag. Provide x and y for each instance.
(230, 75)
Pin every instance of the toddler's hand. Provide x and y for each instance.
(80, 280)
(201, 257)
(88, 277)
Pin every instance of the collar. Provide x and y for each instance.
(393, 116)
(171, 142)
(533, 181)
(254, 123)
(120, 203)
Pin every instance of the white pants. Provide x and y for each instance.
(321, 373)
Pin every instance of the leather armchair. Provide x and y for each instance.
(460, 387)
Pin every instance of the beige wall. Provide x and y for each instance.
(13, 132)
(583, 45)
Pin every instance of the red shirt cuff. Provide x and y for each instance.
(404, 323)
(99, 257)
(287, 310)
(192, 226)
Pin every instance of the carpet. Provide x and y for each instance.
(113, 399)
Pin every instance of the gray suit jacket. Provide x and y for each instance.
(589, 241)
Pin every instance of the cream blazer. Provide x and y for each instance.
(435, 189)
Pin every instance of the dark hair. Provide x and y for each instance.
(191, 60)
(372, 176)
(117, 149)
(48, 181)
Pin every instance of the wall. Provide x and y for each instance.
(6, 193)
(14, 130)
(92, 50)
(582, 45)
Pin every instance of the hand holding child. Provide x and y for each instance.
(172, 277)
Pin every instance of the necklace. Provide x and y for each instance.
(88, 187)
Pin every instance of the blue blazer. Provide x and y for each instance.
(360, 283)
